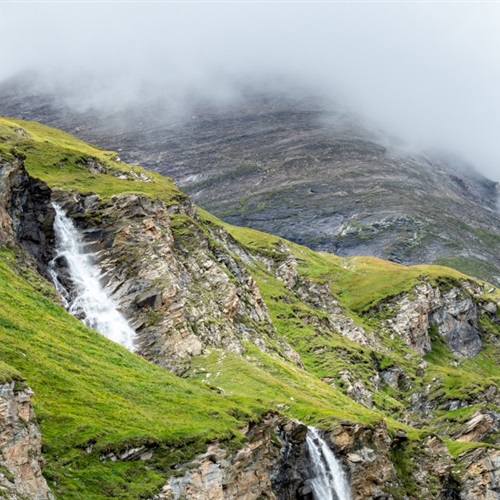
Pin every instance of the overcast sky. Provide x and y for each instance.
(429, 72)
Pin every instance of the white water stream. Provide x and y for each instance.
(88, 300)
(329, 481)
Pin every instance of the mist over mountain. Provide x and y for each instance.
(428, 73)
(351, 128)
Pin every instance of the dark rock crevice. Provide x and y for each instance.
(26, 212)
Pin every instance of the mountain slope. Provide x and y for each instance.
(397, 363)
(288, 165)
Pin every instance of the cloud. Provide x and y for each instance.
(429, 72)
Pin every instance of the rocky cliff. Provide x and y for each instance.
(21, 459)
(181, 294)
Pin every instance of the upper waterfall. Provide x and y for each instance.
(329, 481)
(87, 299)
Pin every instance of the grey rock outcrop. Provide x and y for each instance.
(479, 425)
(454, 313)
(20, 446)
(273, 464)
(370, 471)
(481, 473)
(319, 297)
(181, 288)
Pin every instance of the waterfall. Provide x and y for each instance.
(329, 481)
(86, 299)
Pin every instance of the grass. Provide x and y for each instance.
(456, 448)
(59, 159)
(359, 283)
(90, 390)
(472, 266)
(9, 374)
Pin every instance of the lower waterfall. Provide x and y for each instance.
(87, 300)
(329, 481)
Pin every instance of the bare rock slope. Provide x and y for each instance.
(289, 165)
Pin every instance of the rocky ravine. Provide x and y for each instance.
(275, 464)
(181, 295)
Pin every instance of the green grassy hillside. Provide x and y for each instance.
(90, 390)
(92, 394)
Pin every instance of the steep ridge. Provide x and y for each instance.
(292, 165)
(396, 364)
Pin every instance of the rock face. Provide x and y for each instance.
(319, 297)
(20, 446)
(275, 464)
(482, 474)
(26, 213)
(479, 425)
(179, 285)
(454, 314)
(8, 175)
(219, 475)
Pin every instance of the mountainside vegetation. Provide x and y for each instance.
(410, 353)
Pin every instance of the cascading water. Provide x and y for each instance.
(329, 481)
(87, 299)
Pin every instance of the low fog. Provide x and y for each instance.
(427, 72)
